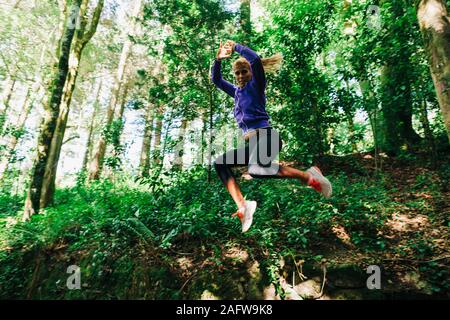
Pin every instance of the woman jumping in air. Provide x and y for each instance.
(262, 142)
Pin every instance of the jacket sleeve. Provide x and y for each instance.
(216, 77)
(255, 62)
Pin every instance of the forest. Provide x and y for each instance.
(111, 122)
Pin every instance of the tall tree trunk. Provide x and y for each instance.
(119, 117)
(144, 164)
(203, 143)
(91, 128)
(396, 84)
(33, 91)
(124, 100)
(8, 93)
(330, 138)
(118, 130)
(397, 107)
(211, 110)
(428, 132)
(6, 102)
(179, 152)
(245, 20)
(351, 131)
(63, 6)
(81, 38)
(48, 124)
(158, 133)
(349, 113)
(434, 23)
(97, 162)
(318, 146)
(11, 146)
(372, 110)
(160, 150)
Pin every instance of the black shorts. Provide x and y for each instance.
(257, 153)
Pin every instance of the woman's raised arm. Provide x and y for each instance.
(216, 72)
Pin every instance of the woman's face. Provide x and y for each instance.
(243, 75)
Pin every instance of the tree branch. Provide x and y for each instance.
(71, 138)
(94, 23)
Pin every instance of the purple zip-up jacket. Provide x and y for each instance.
(249, 101)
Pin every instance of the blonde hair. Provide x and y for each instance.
(271, 64)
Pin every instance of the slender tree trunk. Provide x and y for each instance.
(245, 20)
(6, 102)
(428, 132)
(81, 38)
(91, 128)
(211, 110)
(372, 111)
(124, 100)
(203, 143)
(48, 125)
(15, 138)
(8, 93)
(160, 153)
(118, 127)
(144, 164)
(97, 162)
(350, 123)
(33, 91)
(330, 138)
(158, 133)
(434, 23)
(63, 13)
(316, 122)
(351, 131)
(119, 117)
(179, 152)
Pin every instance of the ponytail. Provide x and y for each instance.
(273, 63)
(270, 65)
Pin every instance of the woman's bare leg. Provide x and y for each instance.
(235, 192)
(292, 173)
(283, 173)
(231, 184)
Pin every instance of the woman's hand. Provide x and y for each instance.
(224, 51)
(230, 44)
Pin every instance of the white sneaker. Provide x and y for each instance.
(319, 182)
(247, 217)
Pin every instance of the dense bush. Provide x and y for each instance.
(109, 228)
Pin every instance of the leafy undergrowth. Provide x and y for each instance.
(175, 238)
